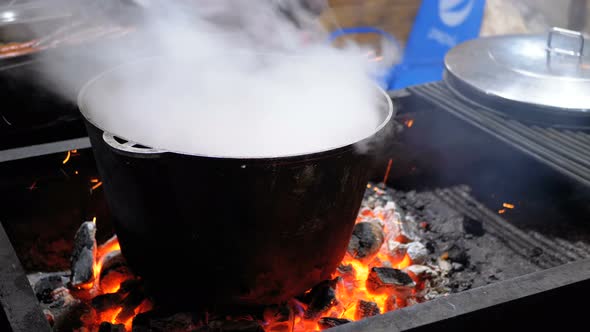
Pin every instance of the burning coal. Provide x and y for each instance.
(386, 268)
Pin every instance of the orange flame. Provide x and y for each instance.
(405, 262)
(111, 283)
(109, 246)
(353, 286)
(101, 252)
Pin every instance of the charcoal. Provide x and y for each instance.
(366, 212)
(385, 279)
(329, 322)
(234, 326)
(154, 321)
(280, 327)
(366, 309)
(113, 261)
(298, 306)
(367, 238)
(108, 327)
(347, 272)
(457, 253)
(390, 303)
(406, 230)
(279, 318)
(49, 316)
(424, 226)
(61, 297)
(74, 317)
(444, 265)
(130, 285)
(114, 278)
(430, 246)
(460, 285)
(83, 255)
(60, 306)
(417, 252)
(130, 303)
(401, 302)
(106, 301)
(45, 286)
(473, 227)
(421, 271)
(321, 298)
(278, 313)
(457, 267)
(403, 238)
(397, 250)
(377, 222)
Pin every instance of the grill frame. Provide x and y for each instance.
(19, 303)
(511, 305)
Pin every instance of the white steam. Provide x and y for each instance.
(232, 78)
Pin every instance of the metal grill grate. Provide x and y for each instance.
(550, 251)
(566, 151)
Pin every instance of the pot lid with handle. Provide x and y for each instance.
(539, 77)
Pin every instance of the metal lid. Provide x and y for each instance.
(525, 75)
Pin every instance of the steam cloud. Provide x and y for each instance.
(233, 78)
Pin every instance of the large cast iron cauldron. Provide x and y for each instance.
(225, 231)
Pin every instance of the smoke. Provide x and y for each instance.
(232, 78)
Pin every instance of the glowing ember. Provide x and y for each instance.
(502, 211)
(111, 284)
(409, 123)
(96, 186)
(508, 205)
(352, 285)
(361, 287)
(387, 171)
(65, 161)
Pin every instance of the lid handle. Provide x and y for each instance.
(566, 33)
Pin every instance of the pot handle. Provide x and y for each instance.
(126, 146)
(579, 52)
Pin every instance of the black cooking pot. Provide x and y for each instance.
(231, 231)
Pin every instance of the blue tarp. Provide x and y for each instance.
(439, 26)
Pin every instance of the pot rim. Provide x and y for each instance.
(84, 90)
